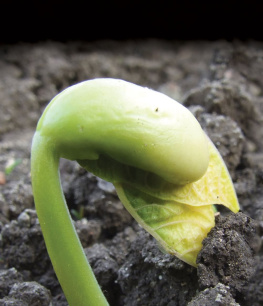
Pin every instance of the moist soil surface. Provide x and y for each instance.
(222, 84)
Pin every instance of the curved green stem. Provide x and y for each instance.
(68, 258)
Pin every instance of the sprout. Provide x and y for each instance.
(10, 167)
(166, 171)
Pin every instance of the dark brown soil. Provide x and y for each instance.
(222, 84)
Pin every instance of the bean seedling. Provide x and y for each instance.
(166, 172)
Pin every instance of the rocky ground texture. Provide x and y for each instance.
(222, 84)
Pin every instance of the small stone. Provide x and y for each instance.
(2, 178)
(24, 220)
(32, 293)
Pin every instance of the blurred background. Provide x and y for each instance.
(33, 21)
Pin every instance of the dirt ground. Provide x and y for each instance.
(222, 84)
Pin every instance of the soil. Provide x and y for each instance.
(222, 84)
